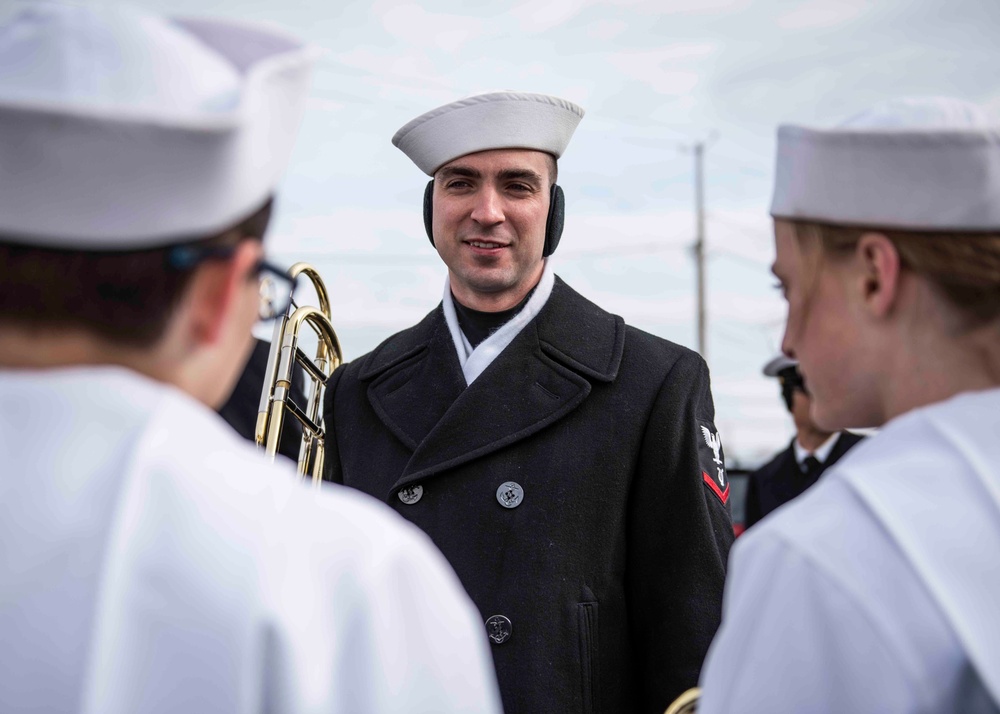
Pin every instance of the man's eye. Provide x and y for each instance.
(457, 184)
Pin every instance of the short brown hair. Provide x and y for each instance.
(964, 267)
(553, 168)
(126, 297)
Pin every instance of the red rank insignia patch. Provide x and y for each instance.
(723, 495)
(712, 461)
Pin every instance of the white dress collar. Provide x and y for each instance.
(822, 453)
(475, 361)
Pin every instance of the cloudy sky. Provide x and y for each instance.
(655, 77)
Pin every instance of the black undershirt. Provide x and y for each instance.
(477, 325)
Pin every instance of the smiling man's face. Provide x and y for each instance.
(490, 210)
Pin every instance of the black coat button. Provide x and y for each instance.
(510, 494)
(498, 629)
(411, 494)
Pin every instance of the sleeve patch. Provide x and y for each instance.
(723, 495)
(711, 459)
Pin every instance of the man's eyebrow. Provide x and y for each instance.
(522, 174)
(464, 171)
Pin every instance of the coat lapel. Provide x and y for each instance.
(523, 391)
(419, 392)
(415, 378)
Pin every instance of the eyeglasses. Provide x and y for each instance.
(186, 257)
(276, 285)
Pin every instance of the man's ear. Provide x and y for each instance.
(880, 272)
(217, 288)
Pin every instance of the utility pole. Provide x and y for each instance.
(699, 245)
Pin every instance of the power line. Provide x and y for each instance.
(753, 234)
(410, 258)
(636, 249)
(755, 265)
(361, 258)
(742, 340)
(747, 167)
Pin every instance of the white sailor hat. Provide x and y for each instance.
(495, 120)
(124, 130)
(778, 365)
(927, 164)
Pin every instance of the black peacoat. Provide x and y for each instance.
(573, 487)
(781, 479)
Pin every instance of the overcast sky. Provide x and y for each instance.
(654, 78)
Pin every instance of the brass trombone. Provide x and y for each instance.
(686, 703)
(282, 360)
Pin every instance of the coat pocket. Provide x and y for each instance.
(587, 621)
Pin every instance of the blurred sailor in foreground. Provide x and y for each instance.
(150, 561)
(565, 463)
(812, 451)
(876, 591)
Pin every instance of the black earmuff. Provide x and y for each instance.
(429, 210)
(553, 223)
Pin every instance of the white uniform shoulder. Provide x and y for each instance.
(831, 592)
(197, 445)
(934, 487)
(363, 608)
(206, 579)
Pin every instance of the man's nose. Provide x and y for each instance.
(488, 209)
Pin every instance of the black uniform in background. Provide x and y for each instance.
(241, 409)
(573, 487)
(782, 478)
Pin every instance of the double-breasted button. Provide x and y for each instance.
(498, 629)
(411, 494)
(510, 494)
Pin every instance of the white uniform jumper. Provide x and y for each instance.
(150, 561)
(877, 590)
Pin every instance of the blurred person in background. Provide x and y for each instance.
(876, 590)
(812, 451)
(150, 561)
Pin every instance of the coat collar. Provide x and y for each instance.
(570, 328)
(417, 388)
(578, 333)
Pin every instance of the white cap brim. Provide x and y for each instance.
(109, 176)
(891, 175)
(778, 365)
(496, 120)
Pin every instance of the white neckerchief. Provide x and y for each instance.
(822, 453)
(475, 361)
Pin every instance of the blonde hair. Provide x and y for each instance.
(964, 267)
